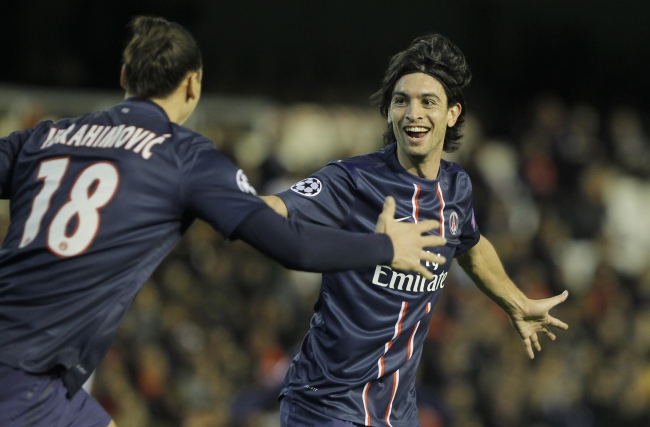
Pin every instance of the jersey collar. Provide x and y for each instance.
(146, 105)
(390, 153)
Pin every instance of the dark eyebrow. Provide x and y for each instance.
(430, 95)
(423, 95)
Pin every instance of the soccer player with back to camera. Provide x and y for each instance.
(99, 200)
(357, 365)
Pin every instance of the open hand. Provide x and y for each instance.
(536, 318)
(409, 241)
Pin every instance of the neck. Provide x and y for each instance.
(173, 109)
(172, 105)
(426, 167)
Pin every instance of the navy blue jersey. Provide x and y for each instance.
(359, 359)
(100, 200)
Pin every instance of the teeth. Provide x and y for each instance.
(416, 129)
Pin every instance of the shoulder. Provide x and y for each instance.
(186, 143)
(186, 137)
(451, 167)
(453, 170)
(366, 160)
(362, 162)
(455, 177)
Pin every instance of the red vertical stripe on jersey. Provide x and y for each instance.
(415, 202)
(381, 366)
(442, 208)
(389, 344)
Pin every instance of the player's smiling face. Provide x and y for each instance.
(420, 116)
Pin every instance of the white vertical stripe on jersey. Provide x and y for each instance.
(415, 204)
(412, 337)
(365, 403)
(442, 213)
(392, 398)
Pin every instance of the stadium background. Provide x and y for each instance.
(557, 142)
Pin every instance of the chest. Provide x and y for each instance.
(415, 202)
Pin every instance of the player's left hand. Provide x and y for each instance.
(535, 318)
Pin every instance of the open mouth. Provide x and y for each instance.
(416, 132)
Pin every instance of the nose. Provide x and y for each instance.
(414, 112)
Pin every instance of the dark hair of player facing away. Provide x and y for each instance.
(158, 57)
(438, 57)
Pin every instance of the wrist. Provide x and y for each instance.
(515, 305)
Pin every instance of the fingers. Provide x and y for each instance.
(423, 271)
(535, 341)
(530, 343)
(433, 257)
(529, 348)
(559, 298)
(549, 303)
(417, 265)
(431, 241)
(386, 216)
(389, 208)
(549, 334)
(557, 323)
(410, 240)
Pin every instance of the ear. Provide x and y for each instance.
(453, 113)
(193, 86)
(123, 77)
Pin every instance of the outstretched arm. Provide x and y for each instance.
(527, 316)
(310, 247)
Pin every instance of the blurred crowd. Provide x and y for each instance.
(564, 196)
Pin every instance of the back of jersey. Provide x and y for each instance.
(96, 204)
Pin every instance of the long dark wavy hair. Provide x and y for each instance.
(438, 57)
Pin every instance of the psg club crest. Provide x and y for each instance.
(453, 223)
(308, 187)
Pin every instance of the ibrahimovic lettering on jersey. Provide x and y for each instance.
(358, 361)
(73, 184)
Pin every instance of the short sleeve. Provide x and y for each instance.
(324, 198)
(469, 235)
(217, 191)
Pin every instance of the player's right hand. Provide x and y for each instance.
(534, 317)
(409, 241)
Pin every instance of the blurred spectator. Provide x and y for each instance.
(630, 141)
